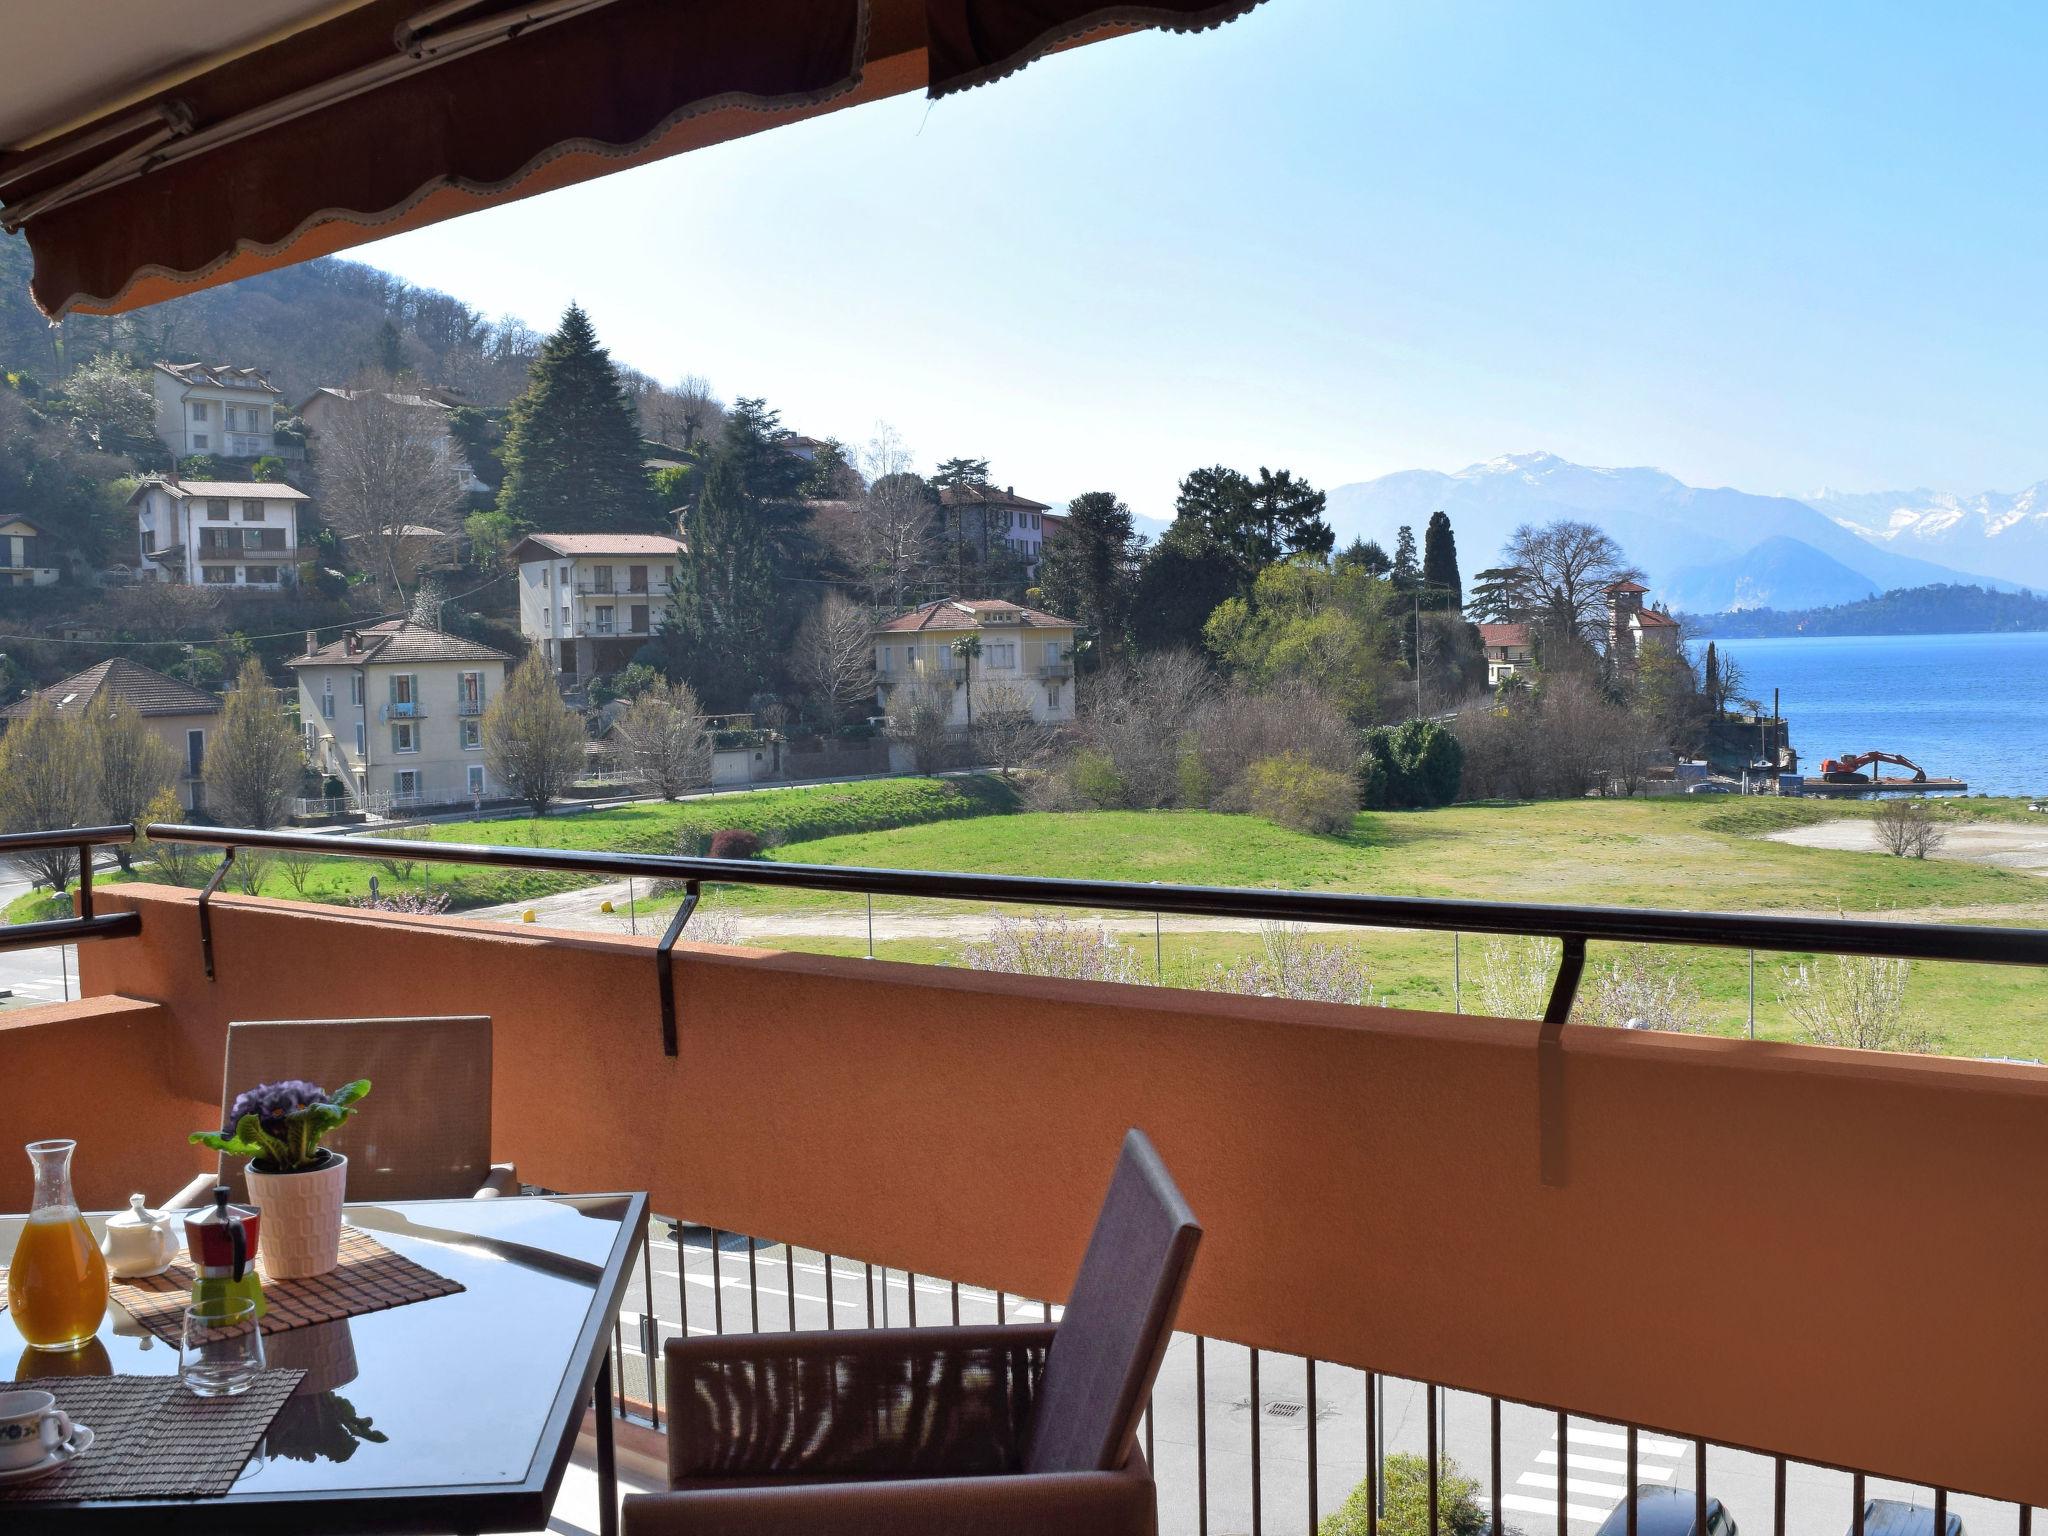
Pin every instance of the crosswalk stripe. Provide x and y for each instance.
(1527, 1506)
(1646, 1445)
(1572, 1485)
(1581, 1463)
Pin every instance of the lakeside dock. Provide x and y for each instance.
(1883, 786)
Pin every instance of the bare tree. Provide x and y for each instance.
(1906, 829)
(662, 740)
(387, 481)
(179, 863)
(1008, 735)
(129, 764)
(45, 784)
(890, 539)
(1562, 572)
(297, 868)
(1140, 716)
(1241, 726)
(886, 454)
(253, 761)
(921, 717)
(834, 656)
(533, 742)
(700, 412)
(1857, 1001)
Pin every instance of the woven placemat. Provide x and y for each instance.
(369, 1278)
(152, 1439)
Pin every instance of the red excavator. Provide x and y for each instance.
(1847, 769)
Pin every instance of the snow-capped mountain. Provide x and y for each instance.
(1667, 527)
(1993, 533)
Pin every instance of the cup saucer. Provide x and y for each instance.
(69, 1450)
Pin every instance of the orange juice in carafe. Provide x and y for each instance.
(56, 1279)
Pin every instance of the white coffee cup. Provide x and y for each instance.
(31, 1427)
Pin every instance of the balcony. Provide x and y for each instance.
(468, 707)
(1586, 1257)
(654, 589)
(1064, 667)
(412, 709)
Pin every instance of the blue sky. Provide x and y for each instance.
(1755, 245)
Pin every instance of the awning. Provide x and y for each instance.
(152, 149)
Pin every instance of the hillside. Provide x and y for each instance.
(1665, 525)
(1779, 572)
(1930, 610)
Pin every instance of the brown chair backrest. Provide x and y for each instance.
(1118, 1322)
(423, 1133)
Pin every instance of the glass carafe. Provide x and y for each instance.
(57, 1280)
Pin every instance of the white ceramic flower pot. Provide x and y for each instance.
(300, 1234)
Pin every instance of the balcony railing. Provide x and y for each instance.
(588, 588)
(1061, 668)
(468, 706)
(1574, 1258)
(411, 710)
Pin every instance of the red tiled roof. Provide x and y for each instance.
(1625, 586)
(151, 692)
(970, 613)
(1650, 618)
(574, 544)
(987, 496)
(1503, 634)
(397, 640)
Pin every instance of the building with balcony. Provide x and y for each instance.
(215, 409)
(217, 533)
(179, 715)
(1509, 650)
(395, 712)
(978, 516)
(320, 410)
(1024, 653)
(28, 557)
(591, 600)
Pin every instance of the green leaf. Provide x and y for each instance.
(350, 1092)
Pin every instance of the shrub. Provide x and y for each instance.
(1515, 977)
(1406, 1511)
(408, 903)
(1642, 988)
(735, 843)
(1096, 780)
(1415, 765)
(1047, 944)
(1857, 1001)
(1906, 829)
(1293, 792)
(1291, 964)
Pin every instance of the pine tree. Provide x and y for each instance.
(1441, 585)
(572, 454)
(1086, 572)
(1497, 596)
(959, 472)
(720, 632)
(1367, 556)
(1407, 572)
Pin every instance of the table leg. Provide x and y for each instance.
(607, 1465)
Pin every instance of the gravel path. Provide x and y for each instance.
(2004, 844)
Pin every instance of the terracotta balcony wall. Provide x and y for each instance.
(1824, 1254)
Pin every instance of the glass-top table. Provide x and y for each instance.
(454, 1414)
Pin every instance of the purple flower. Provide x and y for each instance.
(271, 1102)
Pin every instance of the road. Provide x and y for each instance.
(35, 975)
(1595, 1465)
(2007, 845)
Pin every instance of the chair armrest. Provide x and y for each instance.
(503, 1180)
(866, 1402)
(1019, 1504)
(194, 1195)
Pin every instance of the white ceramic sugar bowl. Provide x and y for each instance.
(140, 1241)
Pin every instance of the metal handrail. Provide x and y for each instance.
(1573, 926)
(85, 925)
(67, 837)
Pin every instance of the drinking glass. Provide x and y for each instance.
(221, 1350)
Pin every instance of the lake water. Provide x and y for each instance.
(1972, 707)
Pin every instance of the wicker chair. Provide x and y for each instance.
(424, 1132)
(922, 1431)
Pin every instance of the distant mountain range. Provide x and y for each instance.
(1705, 549)
(1992, 533)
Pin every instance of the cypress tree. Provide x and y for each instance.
(572, 454)
(1440, 563)
(1406, 571)
(1710, 679)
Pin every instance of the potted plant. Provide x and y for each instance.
(295, 1182)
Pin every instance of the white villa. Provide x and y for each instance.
(1015, 520)
(217, 533)
(395, 711)
(590, 600)
(1022, 648)
(215, 409)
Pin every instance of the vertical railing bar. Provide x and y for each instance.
(1372, 1454)
(227, 857)
(1310, 1408)
(1493, 1431)
(1699, 1483)
(1429, 1412)
(956, 1304)
(618, 1383)
(1151, 1450)
(650, 1336)
(83, 906)
(2026, 1520)
(717, 1285)
(1258, 1482)
(1630, 1477)
(1563, 1471)
(789, 1269)
(885, 1295)
(1941, 1512)
(831, 1304)
(1047, 1306)
(1777, 1497)
(1856, 1517)
(868, 1290)
(910, 1295)
(1001, 1315)
(753, 1285)
(1202, 1438)
(682, 1276)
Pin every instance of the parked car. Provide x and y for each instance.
(1895, 1517)
(1712, 787)
(1668, 1512)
